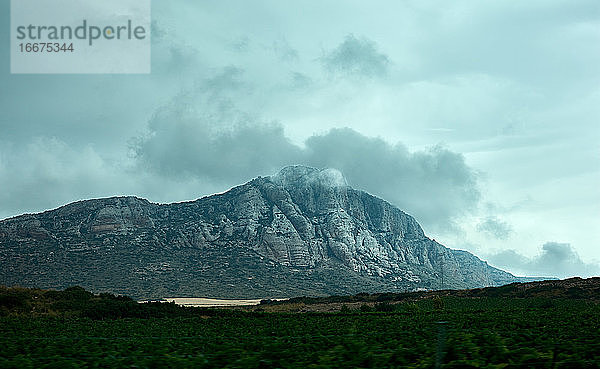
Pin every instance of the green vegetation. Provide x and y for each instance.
(74, 328)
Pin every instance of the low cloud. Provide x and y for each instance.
(555, 260)
(494, 227)
(356, 56)
(284, 50)
(436, 185)
(203, 134)
(193, 138)
(46, 173)
(185, 149)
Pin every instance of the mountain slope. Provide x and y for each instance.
(300, 232)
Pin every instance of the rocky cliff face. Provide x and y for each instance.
(301, 232)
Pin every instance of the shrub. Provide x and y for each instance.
(365, 308)
(384, 307)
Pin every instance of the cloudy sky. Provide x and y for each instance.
(481, 119)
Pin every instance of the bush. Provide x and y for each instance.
(76, 293)
(365, 308)
(438, 303)
(384, 307)
(13, 300)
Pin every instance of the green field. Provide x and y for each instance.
(488, 332)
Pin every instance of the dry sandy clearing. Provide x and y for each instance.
(204, 302)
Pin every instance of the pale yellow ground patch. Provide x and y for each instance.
(204, 302)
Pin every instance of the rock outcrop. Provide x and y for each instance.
(301, 232)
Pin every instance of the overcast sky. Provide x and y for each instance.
(481, 119)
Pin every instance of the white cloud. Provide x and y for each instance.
(555, 260)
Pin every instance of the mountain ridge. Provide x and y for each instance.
(303, 231)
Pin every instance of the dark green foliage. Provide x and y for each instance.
(572, 288)
(14, 300)
(384, 306)
(113, 331)
(386, 297)
(365, 308)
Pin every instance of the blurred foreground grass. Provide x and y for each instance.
(81, 330)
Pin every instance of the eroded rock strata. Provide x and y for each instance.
(301, 232)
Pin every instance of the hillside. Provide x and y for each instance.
(302, 232)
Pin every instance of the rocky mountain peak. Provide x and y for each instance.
(303, 231)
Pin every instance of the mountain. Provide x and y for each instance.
(303, 231)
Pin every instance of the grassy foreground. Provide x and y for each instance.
(74, 328)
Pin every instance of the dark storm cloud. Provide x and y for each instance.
(204, 134)
(356, 56)
(190, 148)
(492, 226)
(435, 185)
(556, 260)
